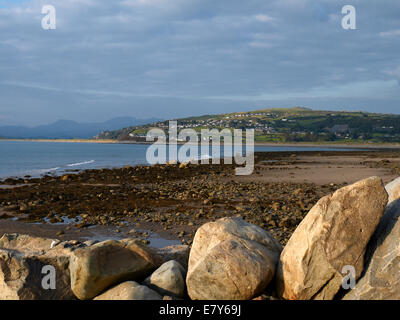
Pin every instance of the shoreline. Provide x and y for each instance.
(309, 147)
(376, 146)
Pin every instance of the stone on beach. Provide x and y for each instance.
(169, 279)
(96, 268)
(334, 234)
(231, 259)
(381, 279)
(129, 290)
(22, 259)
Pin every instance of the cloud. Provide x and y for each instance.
(162, 57)
(345, 90)
(394, 72)
(263, 18)
(85, 91)
(392, 33)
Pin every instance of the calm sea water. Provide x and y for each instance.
(20, 158)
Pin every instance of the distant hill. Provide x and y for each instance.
(68, 129)
(296, 124)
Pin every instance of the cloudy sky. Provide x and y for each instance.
(173, 58)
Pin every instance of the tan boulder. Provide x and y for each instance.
(129, 290)
(381, 279)
(231, 259)
(334, 234)
(96, 268)
(23, 258)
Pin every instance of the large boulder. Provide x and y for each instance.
(169, 279)
(334, 234)
(129, 290)
(23, 261)
(381, 279)
(96, 268)
(231, 259)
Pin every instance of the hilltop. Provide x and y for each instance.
(296, 124)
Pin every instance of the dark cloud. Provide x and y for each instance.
(170, 58)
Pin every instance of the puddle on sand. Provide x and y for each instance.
(102, 233)
(66, 220)
(94, 233)
(156, 241)
(12, 186)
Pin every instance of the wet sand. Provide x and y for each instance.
(171, 202)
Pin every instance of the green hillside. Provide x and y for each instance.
(286, 125)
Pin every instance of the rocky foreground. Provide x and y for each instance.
(173, 200)
(356, 226)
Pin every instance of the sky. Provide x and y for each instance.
(178, 58)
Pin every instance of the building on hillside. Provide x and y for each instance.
(339, 128)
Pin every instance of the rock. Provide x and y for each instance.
(231, 259)
(393, 190)
(94, 269)
(381, 279)
(129, 290)
(171, 163)
(334, 234)
(169, 279)
(275, 206)
(179, 253)
(132, 231)
(22, 259)
(183, 165)
(169, 298)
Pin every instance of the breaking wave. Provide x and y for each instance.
(80, 163)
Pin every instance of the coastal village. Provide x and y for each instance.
(284, 125)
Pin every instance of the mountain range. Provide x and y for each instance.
(69, 129)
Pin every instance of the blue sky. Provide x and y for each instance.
(173, 58)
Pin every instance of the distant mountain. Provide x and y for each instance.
(68, 129)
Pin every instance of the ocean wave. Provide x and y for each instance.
(43, 170)
(80, 163)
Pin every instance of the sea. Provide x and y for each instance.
(39, 158)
